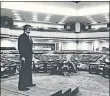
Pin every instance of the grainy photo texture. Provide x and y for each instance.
(54, 48)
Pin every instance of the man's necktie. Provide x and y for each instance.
(29, 38)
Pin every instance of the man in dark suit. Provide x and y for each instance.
(25, 44)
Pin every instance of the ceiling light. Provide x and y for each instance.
(47, 18)
(64, 19)
(107, 20)
(93, 22)
(14, 11)
(87, 16)
(61, 23)
(91, 19)
(105, 14)
(34, 13)
(16, 14)
(106, 17)
(18, 18)
(35, 18)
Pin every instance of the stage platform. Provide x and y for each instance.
(46, 85)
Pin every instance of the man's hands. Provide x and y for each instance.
(23, 60)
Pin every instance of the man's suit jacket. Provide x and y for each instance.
(25, 46)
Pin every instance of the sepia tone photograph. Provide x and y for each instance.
(54, 48)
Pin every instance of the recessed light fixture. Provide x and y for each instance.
(35, 17)
(106, 17)
(91, 19)
(94, 22)
(63, 20)
(61, 23)
(17, 17)
(14, 11)
(105, 14)
(34, 13)
(47, 18)
(16, 14)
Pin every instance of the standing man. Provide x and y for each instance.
(25, 49)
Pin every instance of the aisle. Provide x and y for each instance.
(89, 85)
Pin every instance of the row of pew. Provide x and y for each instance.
(10, 63)
(86, 57)
(102, 69)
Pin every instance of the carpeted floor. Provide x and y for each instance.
(46, 85)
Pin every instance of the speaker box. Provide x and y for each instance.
(6, 22)
(72, 26)
(77, 27)
(89, 26)
(82, 26)
(108, 25)
(65, 26)
(69, 27)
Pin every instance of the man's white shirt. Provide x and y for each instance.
(28, 35)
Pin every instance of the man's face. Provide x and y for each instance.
(28, 30)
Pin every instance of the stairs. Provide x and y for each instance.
(68, 92)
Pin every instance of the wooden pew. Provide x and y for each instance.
(106, 71)
(11, 69)
(93, 68)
